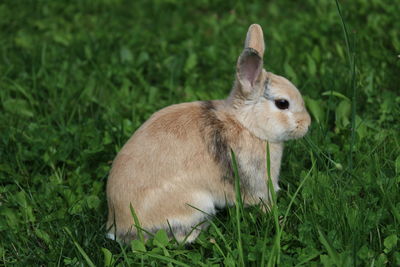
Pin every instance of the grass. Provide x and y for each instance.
(77, 79)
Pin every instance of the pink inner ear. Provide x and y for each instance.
(250, 67)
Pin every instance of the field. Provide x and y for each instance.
(78, 78)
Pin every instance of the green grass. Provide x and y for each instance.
(77, 79)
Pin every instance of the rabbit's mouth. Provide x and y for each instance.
(301, 126)
(298, 132)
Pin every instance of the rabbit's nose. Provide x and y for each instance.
(304, 121)
(300, 123)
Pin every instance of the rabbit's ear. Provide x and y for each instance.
(255, 39)
(250, 62)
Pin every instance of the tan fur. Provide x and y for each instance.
(255, 39)
(176, 170)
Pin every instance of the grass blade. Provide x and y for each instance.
(297, 192)
(238, 207)
(167, 259)
(276, 250)
(331, 251)
(137, 223)
(352, 66)
(80, 249)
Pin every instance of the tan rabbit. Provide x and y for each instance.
(176, 169)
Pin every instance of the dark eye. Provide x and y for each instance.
(282, 103)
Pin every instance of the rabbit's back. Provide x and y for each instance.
(166, 144)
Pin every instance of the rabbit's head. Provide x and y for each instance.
(268, 105)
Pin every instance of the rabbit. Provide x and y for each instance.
(176, 170)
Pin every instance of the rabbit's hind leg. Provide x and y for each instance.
(198, 212)
(189, 234)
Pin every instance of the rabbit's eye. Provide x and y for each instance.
(282, 103)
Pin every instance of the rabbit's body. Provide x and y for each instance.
(188, 169)
(176, 169)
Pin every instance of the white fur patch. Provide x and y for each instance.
(204, 202)
(110, 236)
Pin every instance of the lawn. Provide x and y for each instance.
(78, 78)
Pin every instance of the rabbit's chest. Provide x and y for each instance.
(252, 166)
